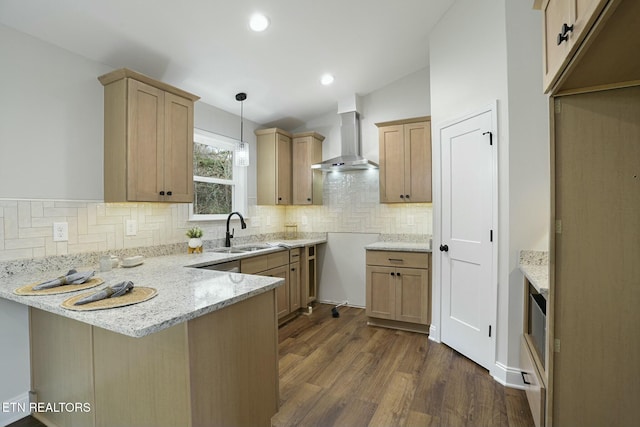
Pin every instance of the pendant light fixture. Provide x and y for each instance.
(241, 154)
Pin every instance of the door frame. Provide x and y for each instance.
(436, 316)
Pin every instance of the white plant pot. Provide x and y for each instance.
(195, 242)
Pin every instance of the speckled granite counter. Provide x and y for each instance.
(400, 246)
(535, 267)
(184, 293)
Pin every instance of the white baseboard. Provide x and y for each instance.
(9, 411)
(433, 334)
(509, 377)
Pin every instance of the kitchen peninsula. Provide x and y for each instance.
(203, 351)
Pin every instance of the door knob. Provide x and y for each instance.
(444, 248)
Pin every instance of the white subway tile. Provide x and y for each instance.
(37, 209)
(24, 214)
(30, 243)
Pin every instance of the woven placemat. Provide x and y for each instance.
(135, 296)
(28, 289)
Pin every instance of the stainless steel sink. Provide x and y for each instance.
(227, 250)
(241, 249)
(252, 248)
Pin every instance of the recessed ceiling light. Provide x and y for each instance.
(258, 22)
(326, 79)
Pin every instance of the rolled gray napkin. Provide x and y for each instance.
(71, 278)
(108, 292)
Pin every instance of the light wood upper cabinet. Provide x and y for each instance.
(274, 167)
(405, 161)
(566, 23)
(148, 139)
(307, 182)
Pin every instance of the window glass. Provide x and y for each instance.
(219, 185)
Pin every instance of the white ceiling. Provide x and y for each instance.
(205, 46)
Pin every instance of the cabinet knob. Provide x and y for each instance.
(402, 196)
(162, 193)
(169, 193)
(406, 196)
(293, 269)
(279, 198)
(398, 274)
(308, 199)
(563, 36)
(393, 274)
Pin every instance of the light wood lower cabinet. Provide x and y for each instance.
(308, 276)
(398, 290)
(283, 264)
(220, 369)
(533, 383)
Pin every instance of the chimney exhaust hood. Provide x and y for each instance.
(350, 158)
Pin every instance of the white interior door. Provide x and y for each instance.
(467, 237)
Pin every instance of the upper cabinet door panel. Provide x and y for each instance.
(556, 14)
(418, 162)
(284, 170)
(178, 149)
(146, 136)
(392, 163)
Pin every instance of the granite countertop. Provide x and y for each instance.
(399, 246)
(535, 267)
(184, 293)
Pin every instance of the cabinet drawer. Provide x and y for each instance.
(260, 263)
(535, 389)
(254, 264)
(398, 259)
(294, 255)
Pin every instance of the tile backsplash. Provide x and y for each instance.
(351, 204)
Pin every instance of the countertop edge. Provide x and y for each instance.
(534, 264)
(399, 247)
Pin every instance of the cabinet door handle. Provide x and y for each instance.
(308, 199)
(162, 193)
(402, 196)
(395, 259)
(406, 196)
(393, 274)
(524, 380)
(169, 193)
(293, 269)
(398, 274)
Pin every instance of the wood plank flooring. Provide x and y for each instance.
(341, 372)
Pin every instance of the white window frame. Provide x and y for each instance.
(239, 182)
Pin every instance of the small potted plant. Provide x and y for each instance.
(195, 242)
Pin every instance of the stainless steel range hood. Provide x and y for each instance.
(350, 158)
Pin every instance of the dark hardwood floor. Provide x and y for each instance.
(341, 372)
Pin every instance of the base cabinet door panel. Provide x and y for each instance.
(534, 387)
(412, 297)
(381, 292)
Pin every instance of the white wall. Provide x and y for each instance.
(52, 114)
(529, 172)
(470, 68)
